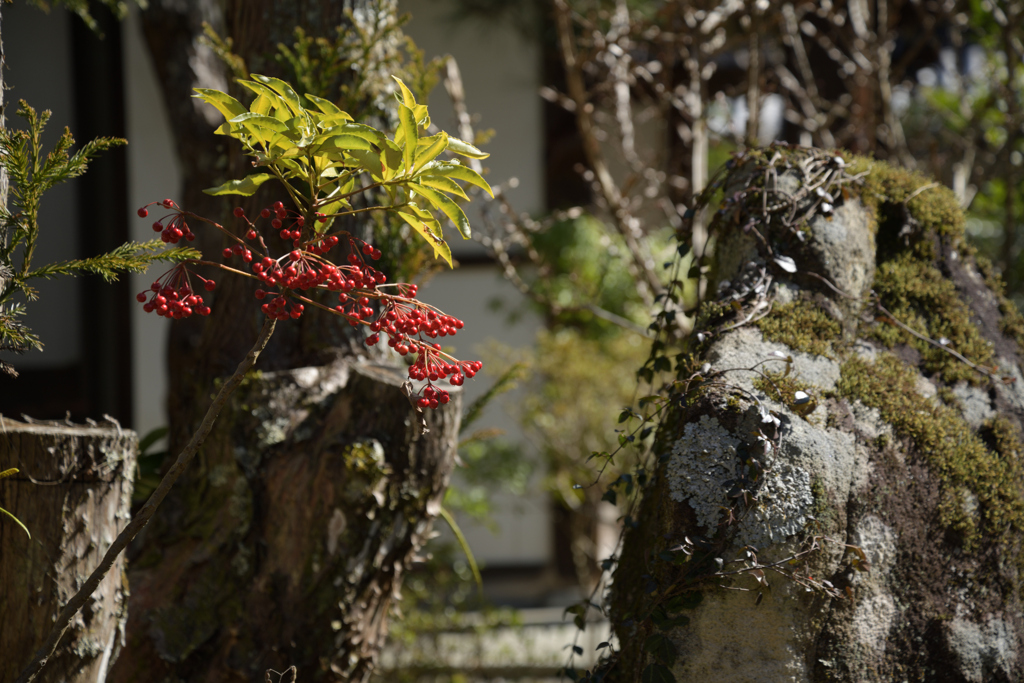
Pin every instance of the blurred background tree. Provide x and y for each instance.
(646, 99)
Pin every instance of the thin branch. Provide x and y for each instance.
(139, 521)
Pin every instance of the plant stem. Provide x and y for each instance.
(140, 520)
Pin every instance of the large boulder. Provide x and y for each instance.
(839, 494)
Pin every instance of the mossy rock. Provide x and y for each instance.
(860, 425)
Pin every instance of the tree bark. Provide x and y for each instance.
(286, 541)
(872, 529)
(73, 492)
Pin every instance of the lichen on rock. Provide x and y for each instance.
(888, 361)
(702, 460)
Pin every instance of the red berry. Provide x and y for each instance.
(167, 203)
(143, 212)
(141, 297)
(209, 285)
(227, 252)
(265, 213)
(239, 212)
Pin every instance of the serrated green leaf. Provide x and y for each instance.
(465, 149)
(410, 136)
(441, 248)
(227, 105)
(449, 208)
(246, 187)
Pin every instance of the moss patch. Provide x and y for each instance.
(803, 326)
(920, 297)
(782, 388)
(959, 458)
(936, 209)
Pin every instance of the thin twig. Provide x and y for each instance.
(141, 519)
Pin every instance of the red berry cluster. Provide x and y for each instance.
(175, 229)
(172, 295)
(405, 320)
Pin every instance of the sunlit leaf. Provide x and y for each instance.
(227, 105)
(449, 208)
(465, 149)
(246, 186)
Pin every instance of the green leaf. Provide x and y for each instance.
(427, 150)
(441, 248)
(657, 673)
(465, 149)
(253, 119)
(283, 89)
(154, 435)
(369, 160)
(459, 172)
(407, 97)
(392, 155)
(368, 133)
(449, 208)
(327, 107)
(246, 187)
(470, 560)
(443, 184)
(261, 105)
(16, 521)
(410, 136)
(262, 91)
(343, 143)
(227, 105)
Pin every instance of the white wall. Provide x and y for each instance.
(501, 74)
(153, 174)
(37, 49)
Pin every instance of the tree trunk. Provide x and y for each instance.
(73, 492)
(906, 447)
(286, 542)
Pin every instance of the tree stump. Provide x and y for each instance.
(840, 492)
(286, 541)
(73, 492)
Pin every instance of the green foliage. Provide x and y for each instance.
(323, 158)
(585, 263)
(33, 172)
